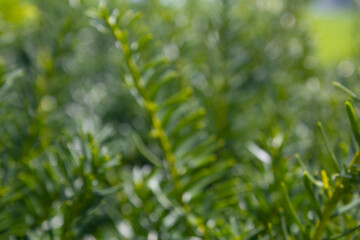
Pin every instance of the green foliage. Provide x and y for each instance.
(172, 120)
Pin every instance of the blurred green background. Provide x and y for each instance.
(78, 156)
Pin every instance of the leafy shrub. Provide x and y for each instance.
(171, 120)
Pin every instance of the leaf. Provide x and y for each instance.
(145, 151)
(262, 155)
(353, 121)
(291, 207)
(187, 120)
(311, 177)
(347, 232)
(310, 190)
(177, 98)
(346, 90)
(331, 153)
(344, 209)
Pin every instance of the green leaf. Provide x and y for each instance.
(145, 151)
(310, 190)
(328, 148)
(310, 176)
(344, 209)
(346, 90)
(291, 207)
(353, 121)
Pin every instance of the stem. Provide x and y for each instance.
(327, 212)
(340, 188)
(149, 105)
